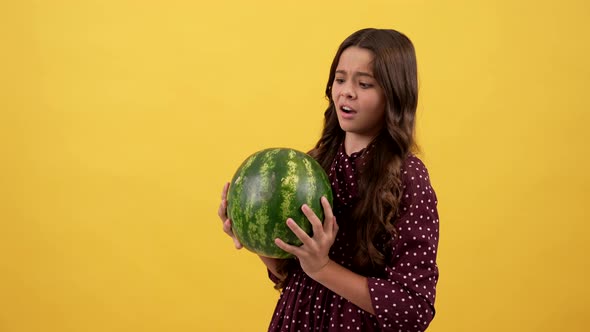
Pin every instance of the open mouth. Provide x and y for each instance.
(347, 110)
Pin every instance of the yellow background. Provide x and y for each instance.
(121, 120)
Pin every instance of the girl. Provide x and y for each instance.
(371, 266)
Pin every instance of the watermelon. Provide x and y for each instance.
(270, 186)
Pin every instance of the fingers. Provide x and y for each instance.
(237, 243)
(222, 211)
(228, 230)
(313, 254)
(297, 251)
(327, 228)
(227, 227)
(224, 191)
(329, 219)
(301, 234)
(315, 222)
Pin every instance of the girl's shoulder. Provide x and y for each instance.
(417, 190)
(413, 165)
(414, 171)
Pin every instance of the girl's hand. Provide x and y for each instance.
(313, 253)
(222, 213)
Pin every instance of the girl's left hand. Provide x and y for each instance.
(313, 253)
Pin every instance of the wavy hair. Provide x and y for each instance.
(379, 183)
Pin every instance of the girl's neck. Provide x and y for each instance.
(355, 143)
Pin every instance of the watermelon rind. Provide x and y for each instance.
(269, 187)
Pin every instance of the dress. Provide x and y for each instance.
(403, 294)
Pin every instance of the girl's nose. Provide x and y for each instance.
(347, 91)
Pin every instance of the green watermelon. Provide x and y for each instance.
(270, 186)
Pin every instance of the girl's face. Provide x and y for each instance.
(358, 98)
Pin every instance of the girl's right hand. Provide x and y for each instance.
(222, 213)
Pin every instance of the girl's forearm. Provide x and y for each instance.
(271, 264)
(345, 283)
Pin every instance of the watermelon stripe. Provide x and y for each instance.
(289, 184)
(312, 188)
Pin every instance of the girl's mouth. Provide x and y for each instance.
(347, 113)
(347, 110)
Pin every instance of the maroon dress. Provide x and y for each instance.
(403, 293)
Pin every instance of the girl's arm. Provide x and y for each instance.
(345, 283)
(404, 298)
(271, 265)
(314, 260)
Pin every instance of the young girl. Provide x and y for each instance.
(371, 266)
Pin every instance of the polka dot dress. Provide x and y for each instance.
(403, 293)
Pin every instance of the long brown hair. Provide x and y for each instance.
(379, 183)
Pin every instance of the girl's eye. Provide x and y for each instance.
(365, 85)
(339, 80)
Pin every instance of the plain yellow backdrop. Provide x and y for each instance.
(121, 120)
